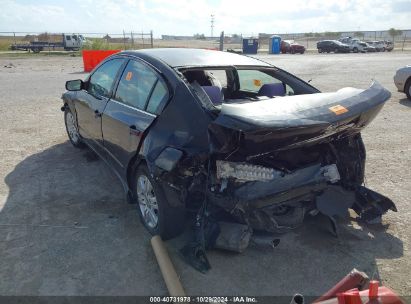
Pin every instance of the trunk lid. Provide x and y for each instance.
(293, 121)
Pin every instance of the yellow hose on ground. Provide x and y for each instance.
(175, 289)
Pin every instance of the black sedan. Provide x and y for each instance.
(327, 46)
(220, 137)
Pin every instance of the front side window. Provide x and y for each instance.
(101, 82)
(136, 85)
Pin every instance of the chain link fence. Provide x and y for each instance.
(226, 41)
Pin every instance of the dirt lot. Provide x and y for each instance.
(66, 229)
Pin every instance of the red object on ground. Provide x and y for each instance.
(373, 290)
(91, 58)
(355, 279)
(352, 297)
(384, 296)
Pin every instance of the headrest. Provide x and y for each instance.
(272, 89)
(214, 92)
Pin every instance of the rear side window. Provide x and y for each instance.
(102, 80)
(158, 98)
(253, 80)
(136, 85)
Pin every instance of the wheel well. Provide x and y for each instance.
(407, 82)
(137, 160)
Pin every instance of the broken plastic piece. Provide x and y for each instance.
(195, 255)
(233, 236)
(331, 173)
(267, 241)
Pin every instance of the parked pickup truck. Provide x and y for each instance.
(71, 42)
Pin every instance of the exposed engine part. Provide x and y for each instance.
(245, 172)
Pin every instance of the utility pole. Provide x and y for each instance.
(212, 25)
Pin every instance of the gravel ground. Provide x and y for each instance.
(66, 229)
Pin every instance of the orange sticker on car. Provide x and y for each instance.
(257, 82)
(129, 75)
(338, 109)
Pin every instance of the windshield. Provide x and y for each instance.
(239, 84)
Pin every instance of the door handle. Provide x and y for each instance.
(134, 131)
(97, 114)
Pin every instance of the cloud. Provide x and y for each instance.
(186, 17)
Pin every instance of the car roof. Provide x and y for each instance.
(184, 57)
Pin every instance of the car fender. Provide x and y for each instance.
(69, 103)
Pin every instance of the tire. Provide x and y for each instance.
(320, 51)
(155, 212)
(72, 129)
(355, 50)
(383, 49)
(407, 89)
(336, 51)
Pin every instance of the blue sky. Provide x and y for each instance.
(184, 17)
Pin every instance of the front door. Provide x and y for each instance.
(91, 103)
(139, 96)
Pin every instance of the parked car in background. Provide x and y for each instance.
(402, 80)
(379, 45)
(292, 47)
(355, 44)
(389, 46)
(327, 46)
(223, 136)
(370, 48)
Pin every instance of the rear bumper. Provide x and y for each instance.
(307, 189)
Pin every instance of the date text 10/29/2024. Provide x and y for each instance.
(203, 299)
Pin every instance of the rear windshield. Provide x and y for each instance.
(243, 84)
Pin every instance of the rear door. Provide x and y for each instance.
(90, 103)
(141, 93)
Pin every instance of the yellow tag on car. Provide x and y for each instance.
(257, 82)
(129, 75)
(338, 110)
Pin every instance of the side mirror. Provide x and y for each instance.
(74, 85)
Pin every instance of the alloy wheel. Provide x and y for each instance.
(72, 128)
(147, 201)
